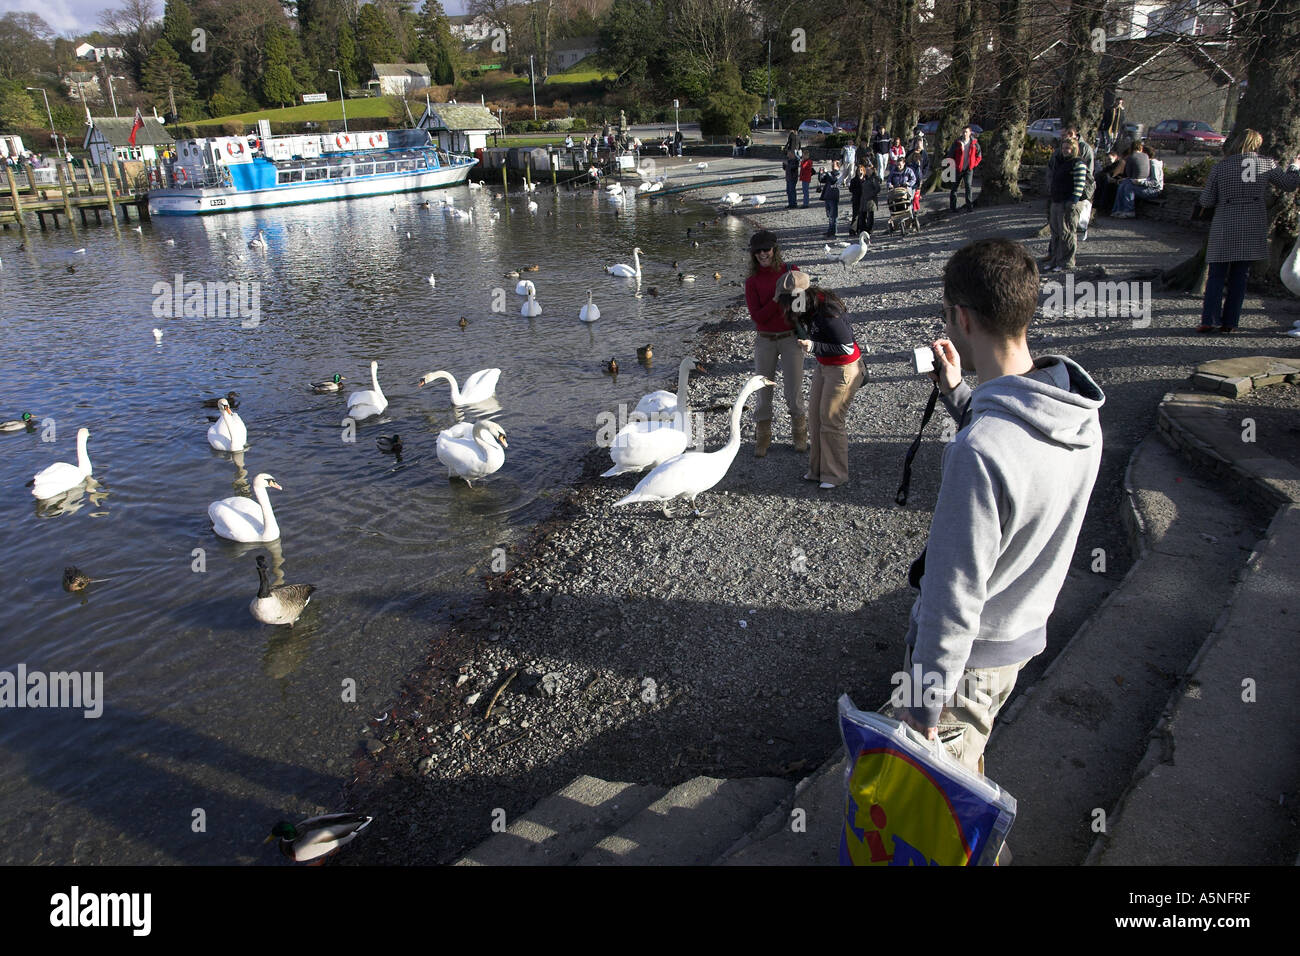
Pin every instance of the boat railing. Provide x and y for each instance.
(176, 176)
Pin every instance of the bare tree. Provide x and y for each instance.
(1081, 102)
(903, 83)
(1001, 166)
(961, 84)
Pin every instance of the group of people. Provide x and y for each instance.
(1015, 483)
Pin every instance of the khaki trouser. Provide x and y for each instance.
(967, 717)
(833, 388)
(1065, 228)
(766, 353)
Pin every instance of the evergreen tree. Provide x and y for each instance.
(228, 99)
(376, 42)
(729, 107)
(277, 84)
(163, 73)
(347, 58)
(17, 109)
(178, 29)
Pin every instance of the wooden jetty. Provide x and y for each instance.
(49, 202)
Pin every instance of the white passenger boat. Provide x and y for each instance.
(233, 173)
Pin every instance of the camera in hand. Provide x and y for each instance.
(923, 359)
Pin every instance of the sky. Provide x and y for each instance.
(82, 16)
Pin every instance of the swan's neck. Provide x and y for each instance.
(636, 257)
(733, 443)
(589, 298)
(447, 377)
(484, 438)
(269, 528)
(83, 457)
(374, 380)
(683, 386)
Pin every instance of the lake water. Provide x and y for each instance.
(215, 726)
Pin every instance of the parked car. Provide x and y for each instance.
(846, 126)
(1184, 135)
(1046, 130)
(932, 127)
(1135, 131)
(815, 127)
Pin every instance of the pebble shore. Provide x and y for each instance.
(632, 647)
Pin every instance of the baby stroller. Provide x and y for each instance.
(902, 209)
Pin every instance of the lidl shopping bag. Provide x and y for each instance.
(908, 802)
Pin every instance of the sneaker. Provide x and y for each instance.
(810, 477)
(1204, 328)
(826, 486)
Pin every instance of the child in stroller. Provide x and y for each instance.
(903, 195)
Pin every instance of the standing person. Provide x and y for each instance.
(792, 142)
(775, 340)
(1069, 134)
(965, 155)
(918, 141)
(1068, 181)
(1016, 482)
(791, 167)
(881, 145)
(677, 142)
(1112, 124)
(830, 181)
(1129, 191)
(849, 161)
(1109, 175)
(805, 177)
(864, 188)
(1239, 230)
(916, 162)
(822, 317)
(896, 150)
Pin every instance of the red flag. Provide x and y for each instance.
(136, 126)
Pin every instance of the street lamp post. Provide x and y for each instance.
(342, 102)
(112, 95)
(532, 81)
(48, 114)
(677, 126)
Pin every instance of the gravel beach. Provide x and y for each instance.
(631, 647)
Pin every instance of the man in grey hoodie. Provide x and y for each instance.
(1016, 481)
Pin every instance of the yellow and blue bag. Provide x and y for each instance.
(908, 802)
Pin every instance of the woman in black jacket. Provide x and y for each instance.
(864, 187)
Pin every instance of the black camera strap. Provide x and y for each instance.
(901, 497)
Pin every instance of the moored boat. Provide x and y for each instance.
(233, 173)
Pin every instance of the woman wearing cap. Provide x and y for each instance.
(822, 316)
(775, 340)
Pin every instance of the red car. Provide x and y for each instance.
(1184, 135)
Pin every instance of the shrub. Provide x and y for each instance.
(232, 128)
(838, 140)
(1193, 174)
(578, 124)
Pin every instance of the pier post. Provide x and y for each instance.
(63, 190)
(13, 192)
(90, 177)
(505, 178)
(108, 190)
(554, 180)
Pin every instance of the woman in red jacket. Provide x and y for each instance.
(775, 340)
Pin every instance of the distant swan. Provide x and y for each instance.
(623, 271)
(259, 242)
(589, 312)
(229, 433)
(479, 387)
(370, 402)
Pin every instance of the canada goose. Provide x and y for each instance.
(281, 604)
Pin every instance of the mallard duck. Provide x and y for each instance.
(281, 604)
(717, 275)
(611, 367)
(652, 290)
(532, 268)
(231, 397)
(318, 837)
(333, 385)
(463, 323)
(645, 353)
(512, 274)
(685, 277)
(74, 580)
(391, 446)
(18, 424)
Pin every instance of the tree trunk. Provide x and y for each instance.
(1187, 276)
(961, 87)
(902, 90)
(1000, 170)
(1082, 104)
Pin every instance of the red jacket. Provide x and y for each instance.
(805, 171)
(968, 158)
(760, 296)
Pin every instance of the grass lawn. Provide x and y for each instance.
(368, 107)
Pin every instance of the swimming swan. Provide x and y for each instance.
(479, 387)
(694, 472)
(60, 477)
(369, 402)
(246, 520)
(229, 432)
(589, 312)
(625, 271)
(530, 308)
(472, 451)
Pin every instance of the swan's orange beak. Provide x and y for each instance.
(275, 485)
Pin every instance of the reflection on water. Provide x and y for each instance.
(193, 684)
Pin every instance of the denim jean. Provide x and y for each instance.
(1213, 310)
(832, 213)
(805, 193)
(789, 193)
(963, 179)
(1127, 194)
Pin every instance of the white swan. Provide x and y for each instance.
(259, 241)
(641, 445)
(229, 432)
(479, 387)
(243, 519)
(472, 451)
(644, 187)
(858, 251)
(694, 472)
(530, 308)
(369, 402)
(589, 312)
(157, 336)
(525, 288)
(622, 271)
(701, 166)
(532, 206)
(757, 199)
(663, 404)
(655, 186)
(730, 199)
(433, 281)
(1291, 270)
(614, 189)
(60, 477)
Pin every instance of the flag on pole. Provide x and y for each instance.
(136, 126)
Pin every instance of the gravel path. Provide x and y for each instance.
(650, 650)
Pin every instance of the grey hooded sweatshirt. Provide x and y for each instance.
(1016, 483)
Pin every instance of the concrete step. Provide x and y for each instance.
(566, 824)
(1068, 746)
(789, 838)
(694, 824)
(1220, 780)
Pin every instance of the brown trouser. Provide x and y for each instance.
(766, 353)
(833, 388)
(1065, 226)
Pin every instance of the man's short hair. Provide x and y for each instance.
(997, 280)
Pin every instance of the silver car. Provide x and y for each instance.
(1046, 130)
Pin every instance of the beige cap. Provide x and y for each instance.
(792, 282)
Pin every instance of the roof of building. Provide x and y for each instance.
(402, 69)
(117, 131)
(575, 43)
(455, 116)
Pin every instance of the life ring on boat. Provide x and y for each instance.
(343, 139)
(374, 139)
(181, 176)
(235, 149)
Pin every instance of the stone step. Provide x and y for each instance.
(790, 838)
(694, 824)
(1221, 767)
(559, 829)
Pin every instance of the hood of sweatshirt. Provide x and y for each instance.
(1058, 399)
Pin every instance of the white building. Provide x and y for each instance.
(566, 53)
(469, 29)
(459, 129)
(88, 51)
(108, 140)
(1134, 19)
(399, 79)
